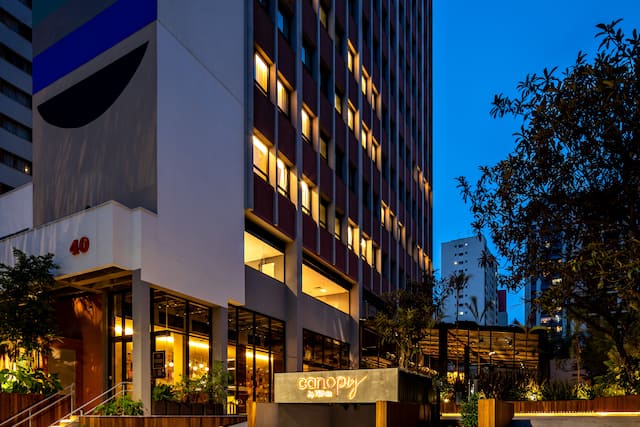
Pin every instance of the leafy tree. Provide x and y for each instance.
(405, 317)
(27, 315)
(565, 204)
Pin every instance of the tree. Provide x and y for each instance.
(565, 205)
(405, 317)
(27, 315)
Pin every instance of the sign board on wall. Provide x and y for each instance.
(348, 386)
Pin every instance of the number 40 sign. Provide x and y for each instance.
(79, 246)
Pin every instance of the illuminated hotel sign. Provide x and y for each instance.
(352, 386)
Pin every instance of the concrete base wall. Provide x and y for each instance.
(315, 415)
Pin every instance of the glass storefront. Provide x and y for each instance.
(255, 352)
(323, 353)
(121, 332)
(182, 330)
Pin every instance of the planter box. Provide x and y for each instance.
(165, 407)
(159, 421)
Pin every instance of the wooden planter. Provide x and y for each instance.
(167, 407)
(159, 421)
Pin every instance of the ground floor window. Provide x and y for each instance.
(255, 353)
(323, 353)
(183, 334)
(121, 337)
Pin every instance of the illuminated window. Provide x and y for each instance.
(263, 256)
(351, 117)
(323, 16)
(337, 229)
(350, 57)
(337, 100)
(363, 81)
(323, 147)
(305, 195)
(350, 232)
(322, 288)
(283, 97)
(306, 125)
(363, 136)
(383, 214)
(365, 250)
(260, 158)
(323, 212)
(375, 149)
(283, 178)
(261, 73)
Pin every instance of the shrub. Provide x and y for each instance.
(469, 410)
(163, 392)
(122, 405)
(27, 380)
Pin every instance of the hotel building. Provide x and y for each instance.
(233, 181)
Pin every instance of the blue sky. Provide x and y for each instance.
(481, 48)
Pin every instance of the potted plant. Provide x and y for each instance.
(164, 400)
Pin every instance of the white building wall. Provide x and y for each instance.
(196, 246)
(16, 210)
(463, 256)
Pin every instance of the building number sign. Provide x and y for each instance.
(79, 246)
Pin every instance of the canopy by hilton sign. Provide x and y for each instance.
(352, 386)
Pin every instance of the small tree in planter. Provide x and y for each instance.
(25, 295)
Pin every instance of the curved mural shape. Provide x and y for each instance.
(88, 99)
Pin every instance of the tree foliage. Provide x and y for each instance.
(405, 317)
(565, 204)
(27, 315)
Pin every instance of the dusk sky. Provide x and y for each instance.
(482, 48)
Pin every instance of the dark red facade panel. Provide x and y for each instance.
(326, 239)
(309, 232)
(286, 137)
(263, 31)
(286, 60)
(286, 216)
(263, 199)
(263, 111)
(309, 167)
(309, 92)
(326, 179)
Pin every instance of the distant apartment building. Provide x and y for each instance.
(15, 93)
(465, 256)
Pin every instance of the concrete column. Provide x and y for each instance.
(141, 299)
(220, 335)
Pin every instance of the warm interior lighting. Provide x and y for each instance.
(258, 356)
(262, 72)
(127, 330)
(306, 125)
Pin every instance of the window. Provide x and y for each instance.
(337, 227)
(363, 136)
(15, 93)
(323, 146)
(260, 159)
(350, 232)
(261, 74)
(283, 178)
(306, 125)
(351, 117)
(339, 164)
(374, 98)
(337, 100)
(322, 13)
(14, 59)
(284, 22)
(305, 196)
(21, 29)
(283, 97)
(306, 55)
(363, 81)
(15, 162)
(324, 209)
(350, 57)
(12, 126)
(375, 148)
(383, 214)
(365, 246)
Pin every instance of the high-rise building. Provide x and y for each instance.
(243, 179)
(15, 94)
(478, 300)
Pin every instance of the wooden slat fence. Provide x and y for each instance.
(14, 403)
(169, 421)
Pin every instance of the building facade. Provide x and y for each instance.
(15, 94)
(478, 300)
(242, 179)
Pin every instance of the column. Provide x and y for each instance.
(141, 299)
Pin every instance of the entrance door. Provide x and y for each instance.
(121, 331)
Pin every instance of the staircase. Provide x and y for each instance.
(72, 418)
(41, 413)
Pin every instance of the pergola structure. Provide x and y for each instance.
(466, 348)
